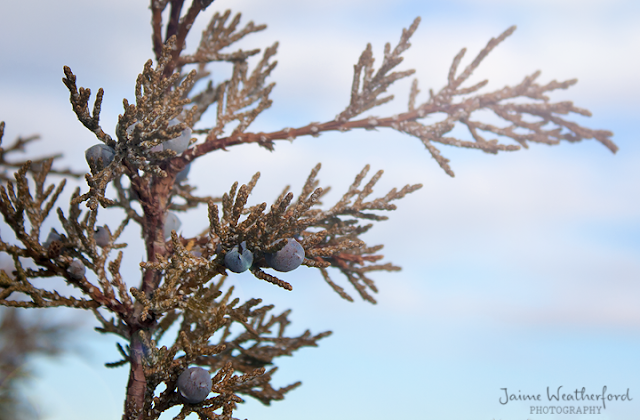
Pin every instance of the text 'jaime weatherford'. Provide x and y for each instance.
(577, 396)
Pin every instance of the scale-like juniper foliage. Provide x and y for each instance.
(146, 160)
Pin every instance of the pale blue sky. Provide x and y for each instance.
(521, 273)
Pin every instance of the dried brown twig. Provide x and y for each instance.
(538, 121)
(329, 238)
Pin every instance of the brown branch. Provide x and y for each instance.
(174, 18)
(181, 32)
(157, 7)
(368, 85)
(407, 122)
(137, 385)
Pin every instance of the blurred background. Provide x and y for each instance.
(522, 272)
